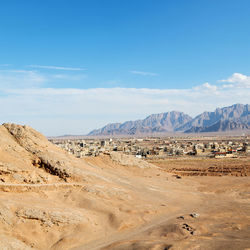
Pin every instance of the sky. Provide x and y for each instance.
(68, 67)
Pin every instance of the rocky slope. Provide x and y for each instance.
(24, 150)
(220, 126)
(156, 123)
(235, 117)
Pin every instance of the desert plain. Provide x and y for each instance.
(50, 199)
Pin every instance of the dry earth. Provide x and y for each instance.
(200, 166)
(51, 200)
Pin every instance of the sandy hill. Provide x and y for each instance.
(52, 200)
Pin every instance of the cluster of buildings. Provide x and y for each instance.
(156, 147)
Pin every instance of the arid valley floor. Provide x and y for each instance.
(51, 200)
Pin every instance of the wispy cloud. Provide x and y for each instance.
(56, 67)
(17, 71)
(5, 65)
(20, 79)
(142, 73)
(68, 77)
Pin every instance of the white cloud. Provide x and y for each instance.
(142, 73)
(207, 87)
(56, 67)
(236, 80)
(77, 111)
(236, 77)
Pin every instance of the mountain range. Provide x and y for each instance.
(226, 119)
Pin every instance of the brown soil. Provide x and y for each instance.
(100, 203)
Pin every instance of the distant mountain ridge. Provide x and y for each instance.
(156, 123)
(235, 117)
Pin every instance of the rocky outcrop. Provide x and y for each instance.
(42, 154)
(50, 217)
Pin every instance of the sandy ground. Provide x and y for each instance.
(51, 200)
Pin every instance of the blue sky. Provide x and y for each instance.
(67, 67)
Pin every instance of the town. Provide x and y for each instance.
(217, 147)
